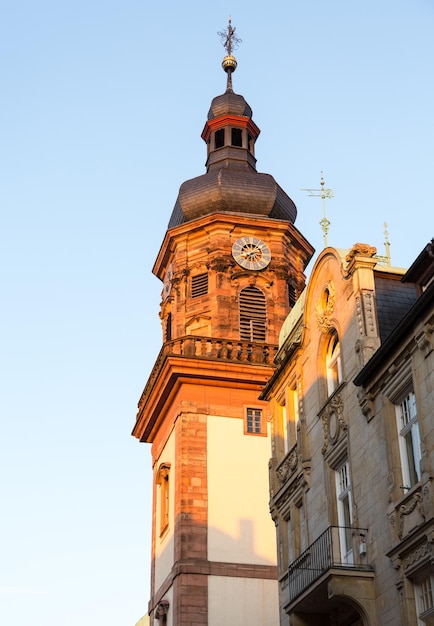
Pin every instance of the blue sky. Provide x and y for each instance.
(102, 105)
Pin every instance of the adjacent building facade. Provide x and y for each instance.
(232, 266)
(352, 411)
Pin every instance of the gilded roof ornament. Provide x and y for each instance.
(231, 42)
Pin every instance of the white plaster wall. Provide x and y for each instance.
(240, 529)
(242, 601)
(164, 546)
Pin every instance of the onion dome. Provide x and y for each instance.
(231, 183)
(229, 103)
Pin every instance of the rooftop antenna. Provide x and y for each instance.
(386, 259)
(231, 42)
(322, 193)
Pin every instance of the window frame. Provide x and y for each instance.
(409, 439)
(252, 311)
(199, 285)
(262, 432)
(333, 362)
(344, 505)
(219, 138)
(424, 597)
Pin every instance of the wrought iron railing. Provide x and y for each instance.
(211, 349)
(325, 553)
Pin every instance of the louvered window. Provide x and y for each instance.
(253, 314)
(168, 327)
(199, 285)
(292, 295)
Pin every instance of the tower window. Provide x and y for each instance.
(199, 285)
(292, 295)
(253, 422)
(237, 137)
(219, 138)
(250, 142)
(253, 314)
(168, 328)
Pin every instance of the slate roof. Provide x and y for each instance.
(394, 299)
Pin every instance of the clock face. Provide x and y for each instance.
(251, 253)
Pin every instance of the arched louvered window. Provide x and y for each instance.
(253, 314)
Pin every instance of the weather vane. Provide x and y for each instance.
(231, 42)
(322, 193)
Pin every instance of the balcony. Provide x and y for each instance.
(211, 349)
(310, 574)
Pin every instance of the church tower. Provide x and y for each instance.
(232, 265)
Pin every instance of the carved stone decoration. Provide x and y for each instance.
(392, 522)
(366, 401)
(410, 515)
(360, 249)
(333, 421)
(325, 307)
(390, 485)
(427, 500)
(162, 609)
(359, 315)
(424, 340)
(221, 263)
(421, 552)
(288, 466)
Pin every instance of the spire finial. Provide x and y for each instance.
(323, 193)
(231, 42)
(386, 259)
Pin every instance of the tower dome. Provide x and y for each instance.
(229, 103)
(231, 183)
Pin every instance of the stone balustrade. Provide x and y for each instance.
(208, 348)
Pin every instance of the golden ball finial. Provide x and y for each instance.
(229, 63)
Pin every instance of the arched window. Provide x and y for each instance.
(333, 363)
(163, 483)
(253, 314)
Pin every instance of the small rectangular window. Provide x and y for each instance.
(219, 138)
(237, 137)
(253, 424)
(199, 285)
